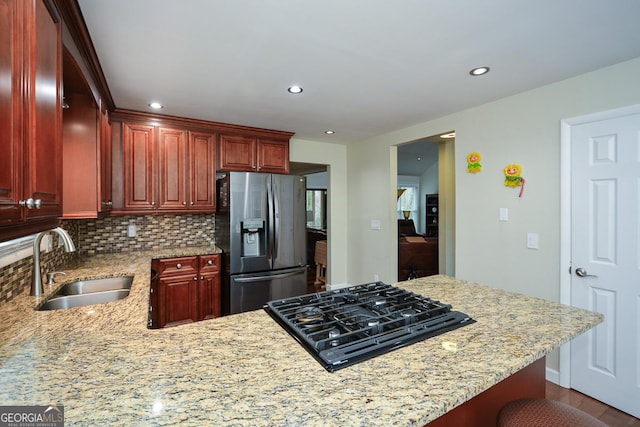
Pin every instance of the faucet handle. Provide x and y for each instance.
(50, 276)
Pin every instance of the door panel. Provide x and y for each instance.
(289, 221)
(172, 168)
(202, 152)
(605, 191)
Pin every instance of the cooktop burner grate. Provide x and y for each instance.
(346, 326)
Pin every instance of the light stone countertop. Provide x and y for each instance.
(107, 368)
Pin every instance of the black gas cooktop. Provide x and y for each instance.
(346, 326)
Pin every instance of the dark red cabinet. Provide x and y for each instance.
(186, 290)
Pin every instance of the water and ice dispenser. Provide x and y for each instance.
(254, 238)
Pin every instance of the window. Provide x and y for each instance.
(317, 209)
(408, 202)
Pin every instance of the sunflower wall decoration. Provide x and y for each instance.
(473, 162)
(513, 178)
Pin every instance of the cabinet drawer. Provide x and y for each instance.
(184, 265)
(209, 263)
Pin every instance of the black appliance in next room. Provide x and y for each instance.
(345, 326)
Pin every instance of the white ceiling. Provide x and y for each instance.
(367, 66)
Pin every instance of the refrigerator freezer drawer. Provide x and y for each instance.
(251, 291)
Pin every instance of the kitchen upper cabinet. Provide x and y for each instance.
(11, 111)
(202, 177)
(253, 154)
(104, 143)
(186, 290)
(31, 117)
(139, 163)
(86, 156)
(168, 169)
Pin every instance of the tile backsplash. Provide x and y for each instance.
(110, 235)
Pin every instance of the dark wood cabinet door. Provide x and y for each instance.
(178, 300)
(209, 295)
(209, 287)
(237, 153)
(139, 154)
(43, 178)
(202, 167)
(10, 112)
(172, 169)
(273, 156)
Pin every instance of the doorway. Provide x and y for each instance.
(317, 222)
(426, 168)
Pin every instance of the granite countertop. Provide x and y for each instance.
(107, 368)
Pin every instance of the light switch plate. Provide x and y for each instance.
(533, 240)
(375, 224)
(504, 214)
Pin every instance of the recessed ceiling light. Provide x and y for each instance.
(448, 135)
(329, 132)
(479, 71)
(155, 105)
(295, 89)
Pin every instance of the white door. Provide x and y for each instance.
(605, 258)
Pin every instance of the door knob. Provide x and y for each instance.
(583, 273)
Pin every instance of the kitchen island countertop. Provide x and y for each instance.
(107, 368)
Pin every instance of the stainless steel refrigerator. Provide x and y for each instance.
(261, 227)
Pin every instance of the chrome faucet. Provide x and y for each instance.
(36, 284)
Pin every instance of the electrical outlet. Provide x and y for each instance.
(376, 278)
(131, 230)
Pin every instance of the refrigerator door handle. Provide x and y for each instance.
(270, 232)
(276, 220)
(271, 276)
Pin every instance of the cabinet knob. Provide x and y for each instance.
(191, 203)
(37, 203)
(210, 262)
(178, 266)
(195, 279)
(30, 203)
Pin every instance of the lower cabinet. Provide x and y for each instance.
(184, 290)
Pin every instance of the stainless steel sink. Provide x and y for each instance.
(89, 292)
(81, 287)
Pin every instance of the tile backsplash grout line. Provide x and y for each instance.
(109, 235)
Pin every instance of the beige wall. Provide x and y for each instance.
(522, 129)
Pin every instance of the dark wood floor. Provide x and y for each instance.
(608, 415)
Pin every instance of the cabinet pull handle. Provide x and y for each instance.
(178, 266)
